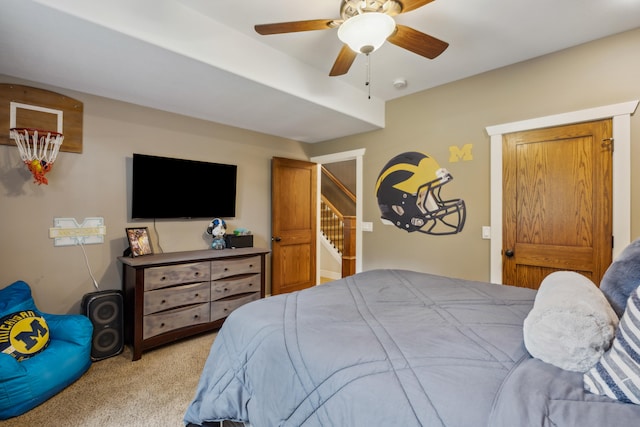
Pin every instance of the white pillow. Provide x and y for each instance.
(571, 323)
(617, 373)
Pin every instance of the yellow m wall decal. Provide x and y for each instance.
(456, 154)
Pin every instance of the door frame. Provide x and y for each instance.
(621, 117)
(356, 155)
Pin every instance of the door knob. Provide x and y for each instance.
(509, 253)
(276, 239)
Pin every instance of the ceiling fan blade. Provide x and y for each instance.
(409, 5)
(295, 26)
(417, 42)
(343, 61)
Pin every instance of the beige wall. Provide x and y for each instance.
(600, 73)
(97, 183)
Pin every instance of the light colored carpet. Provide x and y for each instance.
(153, 391)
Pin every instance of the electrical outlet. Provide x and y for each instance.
(486, 232)
(367, 226)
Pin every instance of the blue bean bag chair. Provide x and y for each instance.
(40, 353)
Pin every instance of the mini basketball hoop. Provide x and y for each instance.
(38, 150)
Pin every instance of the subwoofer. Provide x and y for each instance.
(105, 310)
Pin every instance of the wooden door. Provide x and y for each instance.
(293, 225)
(557, 207)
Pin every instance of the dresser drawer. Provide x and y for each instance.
(161, 277)
(227, 287)
(159, 323)
(222, 308)
(176, 296)
(233, 267)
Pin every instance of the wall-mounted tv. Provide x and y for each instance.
(164, 187)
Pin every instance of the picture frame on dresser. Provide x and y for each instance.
(139, 241)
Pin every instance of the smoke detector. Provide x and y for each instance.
(399, 83)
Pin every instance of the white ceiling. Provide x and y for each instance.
(202, 58)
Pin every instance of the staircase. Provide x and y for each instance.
(332, 225)
(338, 229)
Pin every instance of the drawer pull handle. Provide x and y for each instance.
(162, 325)
(163, 278)
(163, 301)
(250, 284)
(196, 316)
(226, 289)
(197, 273)
(226, 269)
(197, 295)
(250, 265)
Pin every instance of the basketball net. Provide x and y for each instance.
(38, 150)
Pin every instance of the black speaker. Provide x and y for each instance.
(105, 310)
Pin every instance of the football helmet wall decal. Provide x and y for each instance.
(408, 191)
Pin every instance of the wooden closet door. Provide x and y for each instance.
(557, 207)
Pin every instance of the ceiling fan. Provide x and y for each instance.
(363, 27)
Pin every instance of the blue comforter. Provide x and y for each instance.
(384, 347)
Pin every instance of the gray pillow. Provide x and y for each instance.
(622, 277)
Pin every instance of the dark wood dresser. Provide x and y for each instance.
(171, 296)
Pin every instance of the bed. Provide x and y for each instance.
(392, 348)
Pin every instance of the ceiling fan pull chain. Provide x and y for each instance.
(368, 83)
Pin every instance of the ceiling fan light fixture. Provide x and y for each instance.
(366, 32)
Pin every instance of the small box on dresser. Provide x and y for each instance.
(243, 241)
(175, 295)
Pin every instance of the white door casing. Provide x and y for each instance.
(621, 116)
(356, 155)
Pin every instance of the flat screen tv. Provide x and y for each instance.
(164, 187)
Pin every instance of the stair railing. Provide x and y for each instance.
(340, 231)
